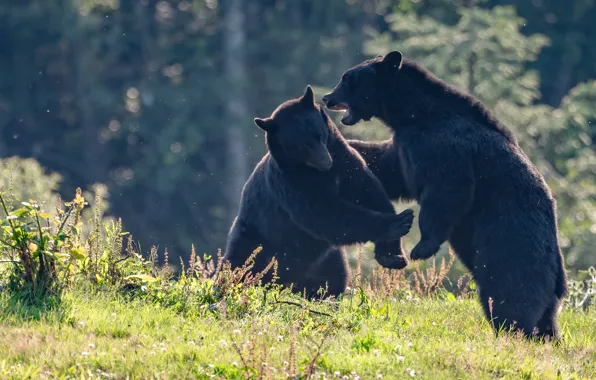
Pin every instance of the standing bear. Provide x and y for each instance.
(475, 186)
(309, 195)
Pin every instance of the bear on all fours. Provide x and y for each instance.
(477, 189)
(309, 195)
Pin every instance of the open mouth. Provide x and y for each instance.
(349, 117)
(339, 107)
(346, 118)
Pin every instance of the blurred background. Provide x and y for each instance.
(151, 102)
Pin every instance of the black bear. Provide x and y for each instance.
(475, 186)
(309, 195)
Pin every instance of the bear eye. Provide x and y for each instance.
(345, 78)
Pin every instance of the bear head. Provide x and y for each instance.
(298, 132)
(360, 91)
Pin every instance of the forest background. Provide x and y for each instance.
(151, 102)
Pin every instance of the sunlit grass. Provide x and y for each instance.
(105, 335)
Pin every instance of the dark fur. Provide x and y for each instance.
(307, 197)
(476, 187)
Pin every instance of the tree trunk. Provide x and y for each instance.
(92, 153)
(561, 85)
(471, 61)
(237, 114)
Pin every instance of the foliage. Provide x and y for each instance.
(565, 136)
(45, 253)
(47, 250)
(33, 249)
(582, 294)
(568, 25)
(27, 179)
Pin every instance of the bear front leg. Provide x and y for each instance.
(318, 210)
(343, 223)
(441, 208)
(359, 185)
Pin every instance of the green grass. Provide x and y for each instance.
(72, 306)
(105, 334)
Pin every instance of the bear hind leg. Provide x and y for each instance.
(511, 316)
(548, 327)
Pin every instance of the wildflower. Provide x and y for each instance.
(84, 354)
(236, 331)
(280, 338)
(401, 358)
(379, 376)
(91, 345)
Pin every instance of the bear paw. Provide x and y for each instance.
(392, 261)
(390, 255)
(424, 249)
(400, 224)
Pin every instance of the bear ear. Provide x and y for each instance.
(308, 98)
(266, 124)
(393, 60)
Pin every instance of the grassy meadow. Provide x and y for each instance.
(80, 299)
